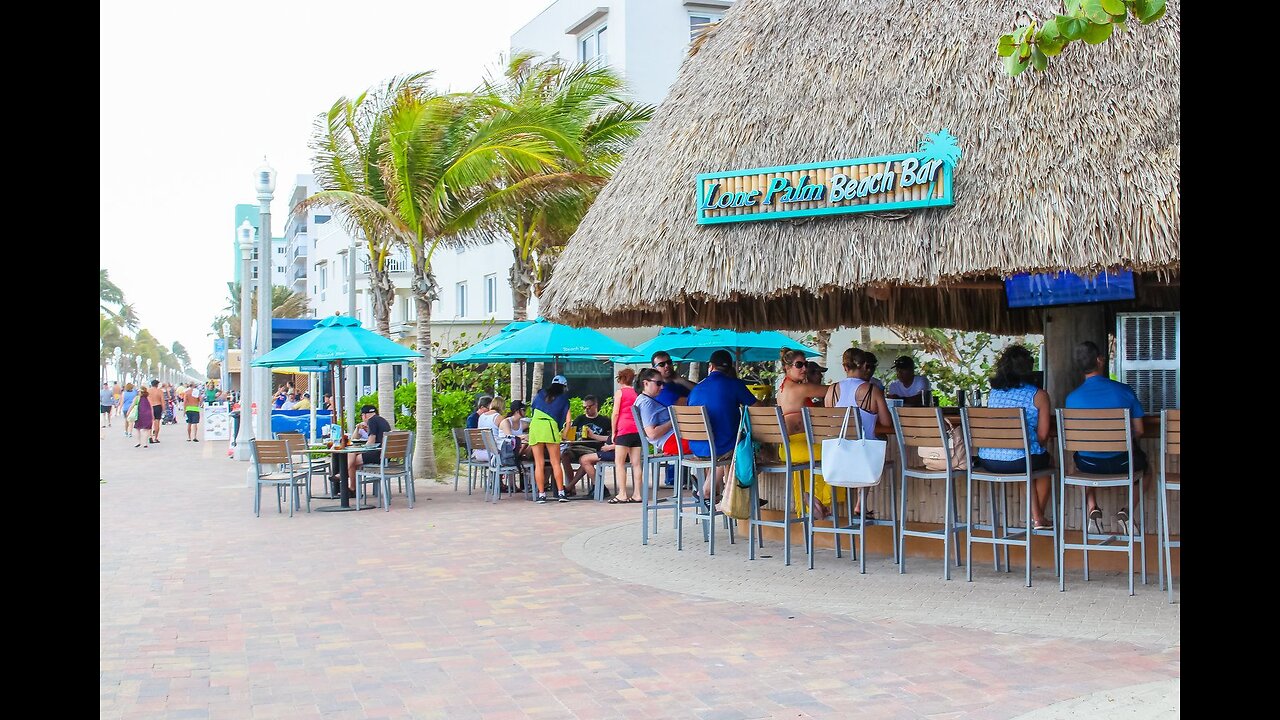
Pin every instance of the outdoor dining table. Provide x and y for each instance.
(344, 492)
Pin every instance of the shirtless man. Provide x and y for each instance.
(156, 397)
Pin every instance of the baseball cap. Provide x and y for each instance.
(815, 366)
(905, 361)
(559, 380)
(368, 409)
(516, 406)
(721, 358)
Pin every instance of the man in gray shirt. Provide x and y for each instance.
(105, 402)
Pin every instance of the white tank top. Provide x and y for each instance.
(847, 390)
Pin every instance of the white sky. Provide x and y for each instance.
(194, 94)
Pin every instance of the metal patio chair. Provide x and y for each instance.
(1102, 430)
(1170, 447)
(768, 427)
(284, 477)
(691, 423)
(394, 462)
(917, 428)
(1002, 428)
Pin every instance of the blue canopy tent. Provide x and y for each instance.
(476, 353)
(544, 341)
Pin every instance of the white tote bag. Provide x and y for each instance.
(852, 463)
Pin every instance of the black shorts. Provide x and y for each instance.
(157, 412)
(577, 450)
(606, 455)
(1038, 462)
(373, 457)
(193, 417)
(105, 408)
(631, 440)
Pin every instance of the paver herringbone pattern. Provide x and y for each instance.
(461, 609)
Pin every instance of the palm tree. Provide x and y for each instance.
(348, 159)
(538, 211)
(111, 294)
(285, 303)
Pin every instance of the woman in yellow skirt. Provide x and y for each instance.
(795, 393)
(550, 415)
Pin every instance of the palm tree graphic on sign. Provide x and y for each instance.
(940, 146)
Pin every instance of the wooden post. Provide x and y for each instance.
(1064, 328)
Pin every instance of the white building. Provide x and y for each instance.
(644, 41)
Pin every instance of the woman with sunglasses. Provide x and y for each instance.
(795, 393)
(655, 416)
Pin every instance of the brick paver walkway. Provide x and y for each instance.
(458, 609)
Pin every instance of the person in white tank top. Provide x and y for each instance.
(850, 392)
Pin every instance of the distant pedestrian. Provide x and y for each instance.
(143, 421)
(105, 401)
(191, 405)
(127, 399)
(155, 396)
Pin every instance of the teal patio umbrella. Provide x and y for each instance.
(697, 345)
(544, 341)
(336, 341)
(476, 353)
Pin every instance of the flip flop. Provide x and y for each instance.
(616, 501)
(632, 502)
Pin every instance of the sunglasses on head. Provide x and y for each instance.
(661, 363)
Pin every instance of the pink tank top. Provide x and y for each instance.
(624, 422)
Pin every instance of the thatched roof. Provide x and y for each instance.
(1077, 168)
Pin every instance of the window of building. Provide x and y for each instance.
(322, 219)
(255, 252)
(255, 272)
(280, 269)
(490, 294)
(594, 45)
(698, 24)
(462, 299)
(280, 250)
(346, 274)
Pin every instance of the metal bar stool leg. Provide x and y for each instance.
(902, 537)
(1142, 523)
(1004, 524)
(968, 537)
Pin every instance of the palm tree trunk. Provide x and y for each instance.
(424, 449)
(865, 338)
(383, 296)
(519, 312)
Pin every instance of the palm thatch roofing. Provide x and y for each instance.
(1076, 168)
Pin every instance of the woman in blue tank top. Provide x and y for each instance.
(1011, 387)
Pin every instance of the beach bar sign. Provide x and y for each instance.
(875, 184)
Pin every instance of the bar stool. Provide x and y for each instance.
(766, 425)
(828, 423)
(651, 465)
(1002, 428)
(1098, 430)
(1170, 446)
(917, 428)
(691, 423)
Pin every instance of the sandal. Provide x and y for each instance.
(631, 501)
(1045, 524)
(616, 501)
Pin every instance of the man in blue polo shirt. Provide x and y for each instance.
(1098, 392)
(722, 393)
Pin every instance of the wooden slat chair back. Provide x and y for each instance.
(924, 427)
(1001, 428)
(824, 423)
(1102, 430)
(768, 426)
(1170, 451)
(690, 423)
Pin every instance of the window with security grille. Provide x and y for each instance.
(1148, 358)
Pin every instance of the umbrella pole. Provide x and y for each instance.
(312, 382)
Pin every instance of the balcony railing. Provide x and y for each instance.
(299, 250)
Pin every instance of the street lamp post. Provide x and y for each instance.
(246, 346)
(222, 363)
(265, 184)
(116, 355)
(137, 369)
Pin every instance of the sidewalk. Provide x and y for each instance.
(462, 609)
